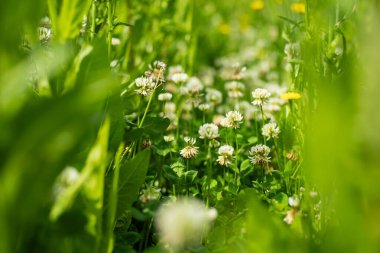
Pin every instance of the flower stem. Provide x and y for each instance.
(209, 171)
(263, 121)
(146, 109)
(279, 158)
(236, 158)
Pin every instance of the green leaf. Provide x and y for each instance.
(245, 165)
(134, 134)
(252, 140)
(155, 125)
(67, 17)
(190, 176)
(280, 201)
(132, 176)
(91, 177)
(73, 72)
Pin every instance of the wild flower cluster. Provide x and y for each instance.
(200, 127)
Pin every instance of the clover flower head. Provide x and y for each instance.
(150, 193)
(174, 70)
(169, 138)
(190, 150)
(224, 122)
(213, 96)
(183, 223)
(293, 201)
(233, 119)
(290, 215)
(165, 96)
(259, 154)
(194, 86)
(156, 72)
(145, 85)
(169, 108)
(270, 131)
(66, 178)
(179, 77)
(44, 34)
(189, 140)
(204, 107)
(159, 65)
(234, 89)
(208, 131)
(225, 153)
(260, 96)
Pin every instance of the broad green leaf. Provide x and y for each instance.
(155, 125)
(91, 177)
(132, 176)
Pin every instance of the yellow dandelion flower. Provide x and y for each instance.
(224, 28)
(291, 95)
(298, 7)
(257, 5)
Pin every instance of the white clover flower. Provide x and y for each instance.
(174, 70)
(189, 140)
(184, 223)
(194, 85)
(259, 155)
(275, 89)
(234, 119)
(208, 131)
(260, 96)
(273, 105)
(179, 77)
(213, 96)
(145, 85)
(313, 194)
(224, 122)
(149, 194)
(165, 96)
(270, 131)
(44, 34)
(67, 177)
(169, 108)
(225, 155)
(290, 215)
(159, 65)
(232, 71)
(204, 107)
(234, 89)
(115, 41)
(293, 202)
(190, 150)
(183, 90)
(169, 138)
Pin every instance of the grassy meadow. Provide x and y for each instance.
(173, 126)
